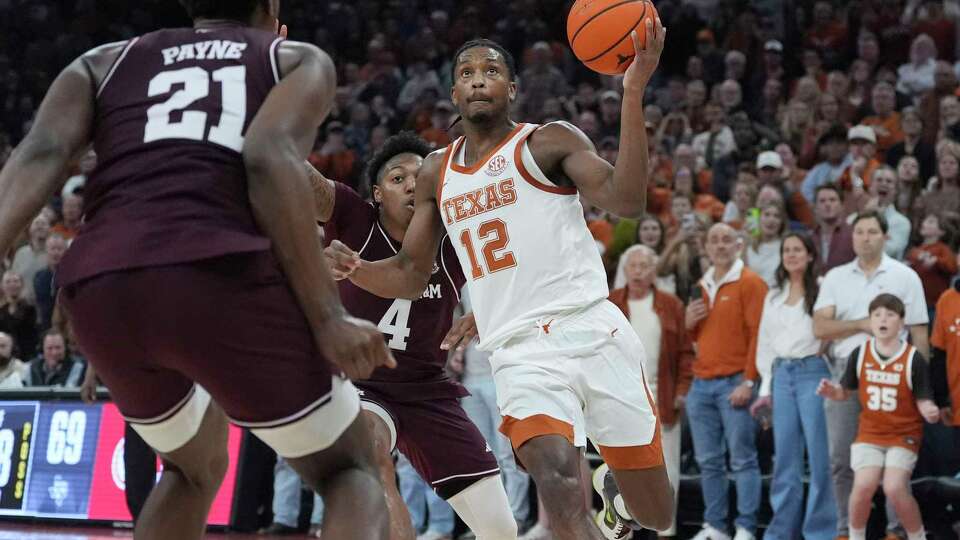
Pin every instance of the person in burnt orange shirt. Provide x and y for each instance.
(892, 380)
(945, 353)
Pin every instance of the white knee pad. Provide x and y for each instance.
(484, 507)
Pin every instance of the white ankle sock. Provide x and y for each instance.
(858, 534)
(917, 535)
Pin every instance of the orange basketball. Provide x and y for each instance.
(599, 32)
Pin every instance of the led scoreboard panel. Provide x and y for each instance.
(64, 460)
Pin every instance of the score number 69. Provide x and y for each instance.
(65, 445)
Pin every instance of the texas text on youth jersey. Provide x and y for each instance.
(413, 329)
(888, 389)
(522, 240)
(170, 185)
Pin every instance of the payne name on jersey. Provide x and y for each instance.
(214, 49)
(479, 201)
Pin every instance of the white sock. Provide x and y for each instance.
(858, 534)
(917, 535)
(484, 507)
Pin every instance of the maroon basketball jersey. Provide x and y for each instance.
(170, 185)
(413, 329)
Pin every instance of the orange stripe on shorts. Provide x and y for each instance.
(522, 430)
(646, 456)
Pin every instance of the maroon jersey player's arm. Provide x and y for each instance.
(279, 136)
(63, 128)
(407, 274)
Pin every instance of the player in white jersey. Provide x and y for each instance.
(567, 363)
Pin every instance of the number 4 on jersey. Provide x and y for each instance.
(395, 323)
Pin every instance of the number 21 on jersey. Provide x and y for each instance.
(192, 125)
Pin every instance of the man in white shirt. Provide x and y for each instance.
(841, 314)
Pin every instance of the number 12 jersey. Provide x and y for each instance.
(522, 241)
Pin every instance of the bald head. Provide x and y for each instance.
(723, 246)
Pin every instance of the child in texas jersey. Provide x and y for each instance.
(893, 383)
(414, 407)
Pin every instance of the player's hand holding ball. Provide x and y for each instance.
(356, 346)
(614, 36)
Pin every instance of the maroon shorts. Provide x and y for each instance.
(438, 438)
(230, 324)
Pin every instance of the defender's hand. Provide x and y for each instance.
(355, 346)
(341, 260)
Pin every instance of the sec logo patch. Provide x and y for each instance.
(496, 165)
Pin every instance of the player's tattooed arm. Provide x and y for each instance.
(324, 193)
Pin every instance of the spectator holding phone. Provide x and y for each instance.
(684, 259)
(724, 319)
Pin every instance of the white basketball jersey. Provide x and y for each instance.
(522, 241)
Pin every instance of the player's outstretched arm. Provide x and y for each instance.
(38, 166)
(406, 274)
(282, 200)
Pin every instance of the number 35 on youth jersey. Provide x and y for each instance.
(522, 241)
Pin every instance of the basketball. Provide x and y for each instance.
(599, 32)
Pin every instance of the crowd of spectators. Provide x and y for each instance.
(790, 123)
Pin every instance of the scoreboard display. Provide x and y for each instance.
(64, 460)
